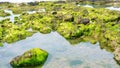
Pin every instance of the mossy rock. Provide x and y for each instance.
(31, 58)
(68, 18)
(81, 20)
(67, 30)
(15, 34)
(117, 55)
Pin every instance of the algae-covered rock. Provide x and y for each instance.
(117, 55)
(67, 30)
(68, 17)
(31, 58)
(83, 21)
(80, 20)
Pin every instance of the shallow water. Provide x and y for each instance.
(11, 17)
(61, 53)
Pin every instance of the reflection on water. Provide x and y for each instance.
(61, 53)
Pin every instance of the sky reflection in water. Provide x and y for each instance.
(61, 53)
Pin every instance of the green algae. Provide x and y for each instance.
(65, 21)
(31, 58)
(66, 29)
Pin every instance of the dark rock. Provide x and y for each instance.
(80, 20)
(85, 21)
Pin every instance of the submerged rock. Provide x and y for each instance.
(117, 55)
(31, 58)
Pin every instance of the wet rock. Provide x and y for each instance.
(54, 12)
(67, 30)
(79, 20)
(31, 58)
(84, 21)
(69, 18)
(118, 22)
(59, 16)
(117, 55)
(85, 12)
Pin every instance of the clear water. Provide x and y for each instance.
(61, 53)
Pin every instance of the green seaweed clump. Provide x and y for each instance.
(67, 30)
(3, 13)
(31, 58)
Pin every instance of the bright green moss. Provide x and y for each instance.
(103, 24)
(67, 29)
(31, 58)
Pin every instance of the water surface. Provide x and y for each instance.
(61, 53)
